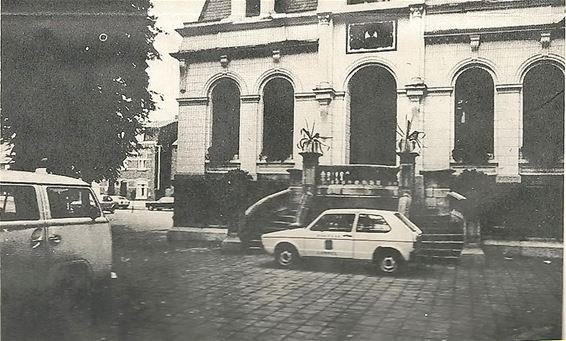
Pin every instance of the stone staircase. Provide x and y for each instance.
(281, 220)
(442, 239)
(276, 213)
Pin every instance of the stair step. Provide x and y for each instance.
(442, 237)
(286, 216)
(434, 259)
(439, 252)
(280, 223)
(442, 244)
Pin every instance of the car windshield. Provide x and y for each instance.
(407, 222)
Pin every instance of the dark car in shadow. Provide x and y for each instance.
(162, 203)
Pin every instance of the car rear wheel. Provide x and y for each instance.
(286, 256)
(389, 262)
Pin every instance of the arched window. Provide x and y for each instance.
(278, 114)
(373, 116)
(225, 140)
(473, 119)
(543, 115)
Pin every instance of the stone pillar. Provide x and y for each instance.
(267, 7)
(507, 132)
(310, 167)
(325, 49)
(193, 131)
(407, 171)
(310, 182)
(238, 9)
(249, 152)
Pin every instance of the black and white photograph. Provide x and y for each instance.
(282, 170)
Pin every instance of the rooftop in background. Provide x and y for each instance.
(216, 10)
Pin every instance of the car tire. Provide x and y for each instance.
(150, 208)
(286, 256)
(389, 262)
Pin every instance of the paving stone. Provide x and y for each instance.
(211, 296)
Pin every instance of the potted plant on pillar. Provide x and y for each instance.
(311, 145)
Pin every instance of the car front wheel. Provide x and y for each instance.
(286, 256)
(389, 262)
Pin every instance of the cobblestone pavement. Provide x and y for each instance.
(185, 292)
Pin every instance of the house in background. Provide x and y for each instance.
(146, 175)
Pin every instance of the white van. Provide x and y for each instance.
(53, 234)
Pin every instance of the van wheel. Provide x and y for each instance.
(286, 256)
(389, 262)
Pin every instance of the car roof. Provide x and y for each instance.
(10, 176)
(359, 210)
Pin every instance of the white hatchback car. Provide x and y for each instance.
(387, 238)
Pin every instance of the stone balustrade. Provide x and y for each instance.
(372, 175)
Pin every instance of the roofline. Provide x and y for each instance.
(239, 52)
(211, 27)
(23, 177)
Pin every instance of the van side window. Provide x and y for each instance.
(69, 202)
(334, 223)
(18, 203)
(372, 223)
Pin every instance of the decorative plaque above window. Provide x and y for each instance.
(372, 36)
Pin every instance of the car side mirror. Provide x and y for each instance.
(93, 212)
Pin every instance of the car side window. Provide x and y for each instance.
(71, 202)
(372, 223)
(18, 203)
(334, 223)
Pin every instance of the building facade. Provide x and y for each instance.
(481, 84)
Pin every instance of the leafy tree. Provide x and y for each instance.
(74, 86)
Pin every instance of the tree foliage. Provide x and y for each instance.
(74, 87)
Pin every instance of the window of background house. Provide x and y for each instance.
(282, 6)
(18, 203)
(252, 8)
(335, 223)
(372, 223)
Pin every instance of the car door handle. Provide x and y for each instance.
(346, 235)
(55, 239)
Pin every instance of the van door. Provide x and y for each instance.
(78, 234)
(23, 240)
(331, 236)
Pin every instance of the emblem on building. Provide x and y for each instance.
(372, 36)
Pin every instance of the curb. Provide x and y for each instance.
(547, 249)
(197, 234)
